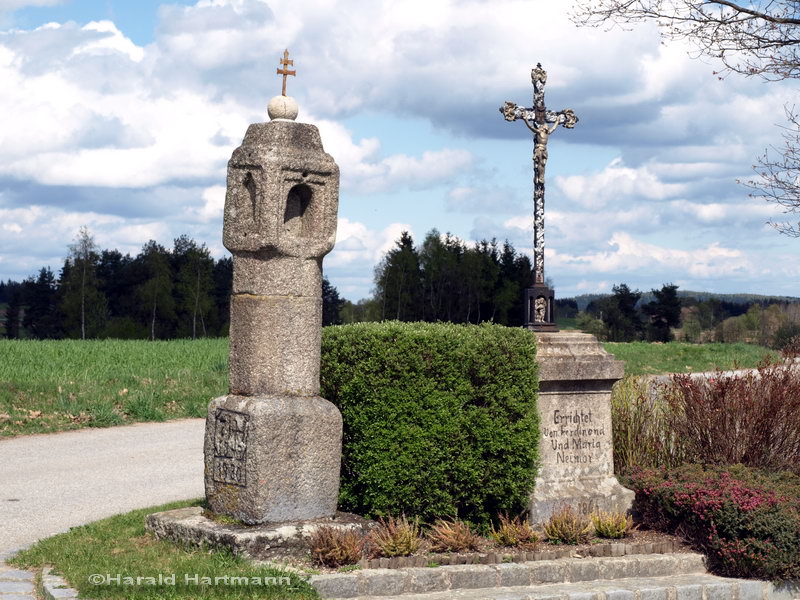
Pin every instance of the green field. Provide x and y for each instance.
(644, 358)
(50, 386)
(68, 384)
(566, 323)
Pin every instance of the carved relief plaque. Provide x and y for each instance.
(230, 447)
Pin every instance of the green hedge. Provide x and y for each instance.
(746, 520)
(439, 419)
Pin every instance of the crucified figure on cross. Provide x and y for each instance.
(542, 123)
(541, 133)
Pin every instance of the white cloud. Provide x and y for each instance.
(364, 170)
(11, 5)
(115, 42)
(357, 251)
(585, 286)
(615, 183)
(213, 204)
(630, 255)
(357, 244)
(726, 213)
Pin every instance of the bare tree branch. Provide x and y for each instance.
(762, 38)
(778, 173)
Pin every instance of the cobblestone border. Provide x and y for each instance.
(609, 549)
(15, 584)
(53, 587)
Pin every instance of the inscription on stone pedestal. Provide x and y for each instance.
(573, 436)
(230, 446)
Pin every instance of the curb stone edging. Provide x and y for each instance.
(394, 582)
(384, 582)
(53, 587)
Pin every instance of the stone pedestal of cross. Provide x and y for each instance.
(539, 298)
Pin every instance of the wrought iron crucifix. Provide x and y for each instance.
(542, 123)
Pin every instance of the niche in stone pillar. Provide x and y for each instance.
(249, 185)
(298, 218)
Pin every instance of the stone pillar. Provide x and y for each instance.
(273, 446)
(575, 450)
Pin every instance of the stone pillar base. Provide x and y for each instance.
(575, 450)
(272, 459)
(586, 496)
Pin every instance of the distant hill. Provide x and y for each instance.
(583, 300)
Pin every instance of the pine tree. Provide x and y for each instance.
(13, 311)
(620, 315)
(664, 313)
(331, 304)
(398, 282)
(221, 296)
(40, 295)
(116, 280)
(155, 293)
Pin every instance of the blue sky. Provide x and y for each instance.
(121, 116)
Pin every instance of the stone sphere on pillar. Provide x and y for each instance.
(282, 108)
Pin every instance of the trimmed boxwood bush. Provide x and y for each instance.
(439, 419)
(747, 521)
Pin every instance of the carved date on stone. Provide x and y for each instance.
(230, 447)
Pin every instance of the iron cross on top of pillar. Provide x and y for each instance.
(283, 107)
(539, 299)
(285, 62)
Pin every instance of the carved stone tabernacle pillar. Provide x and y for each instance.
(575, 450)
(273, 446)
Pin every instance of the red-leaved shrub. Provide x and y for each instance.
(746, 521)
(751, 419)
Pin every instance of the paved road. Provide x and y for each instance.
(49, 483)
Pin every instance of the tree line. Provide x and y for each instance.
(161, 293)
(624, 316)
(445, 279)
(183, 292)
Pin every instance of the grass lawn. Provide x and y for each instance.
(566, 323)
(68, 384)
(644, 358)
(120, 545)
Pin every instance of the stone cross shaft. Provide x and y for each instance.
(542, 122)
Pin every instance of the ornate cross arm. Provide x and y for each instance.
(566, 117)
(512, 112)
